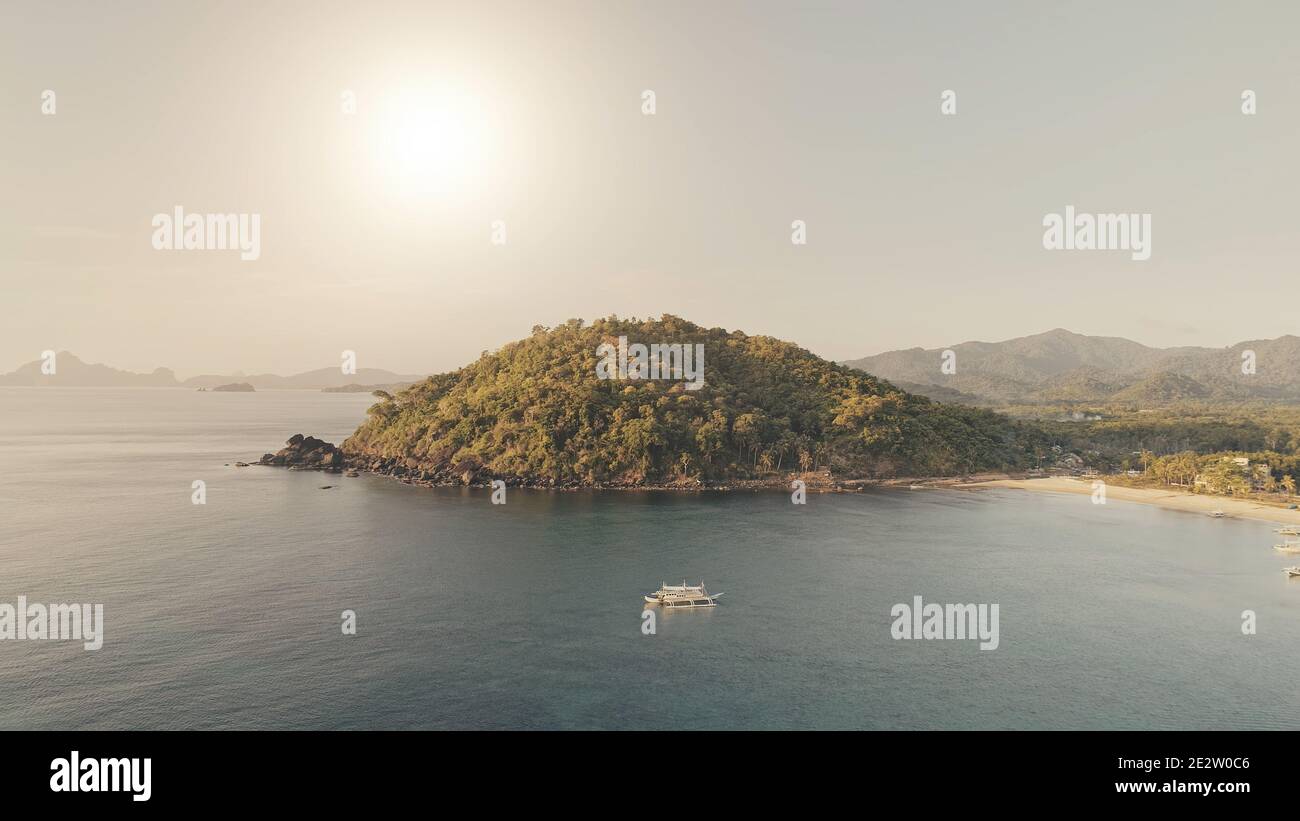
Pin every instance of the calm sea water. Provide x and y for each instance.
(528, 615)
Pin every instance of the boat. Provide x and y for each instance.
(1291, 571)
(1289, 530)
(683, 595)
(1288, 547)
(1217, 514)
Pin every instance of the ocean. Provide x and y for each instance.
(227, 615)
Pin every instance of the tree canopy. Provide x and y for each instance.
(535, 410)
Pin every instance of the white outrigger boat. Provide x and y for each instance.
(1289, 530)
(1291, 572)
(1217, 514)
(683, 595)
(1288, 547)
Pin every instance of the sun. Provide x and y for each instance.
(429, 142)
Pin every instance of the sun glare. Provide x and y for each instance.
(429, 143)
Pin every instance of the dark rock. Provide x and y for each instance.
(308, 453)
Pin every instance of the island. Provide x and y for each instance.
(235, 387)
(541, 412)
(565, 409)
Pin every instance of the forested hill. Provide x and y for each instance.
(1060, 366)
(535, 411)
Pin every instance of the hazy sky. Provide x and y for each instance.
(376, 228)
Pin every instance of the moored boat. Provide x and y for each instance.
(1291, 571)
(1288, 547)
(1217, 514)
(683, 595)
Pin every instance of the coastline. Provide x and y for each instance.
(309, 453)
(1168, 499)
(812, 484)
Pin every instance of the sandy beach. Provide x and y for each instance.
(1172, 500)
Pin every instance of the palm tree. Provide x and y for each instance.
(1288, 484)
(822, 456)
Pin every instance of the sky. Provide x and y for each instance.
(473, 121)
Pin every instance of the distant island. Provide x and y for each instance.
(234, 387)
(70, 371)
(319, 379)
(355, 388)
(535, 414)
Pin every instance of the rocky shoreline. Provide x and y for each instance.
(309, 453)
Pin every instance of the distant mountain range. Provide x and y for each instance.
(73, 372)
(1064, 367)
(1055, 367)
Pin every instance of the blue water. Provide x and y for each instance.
(528, 615)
